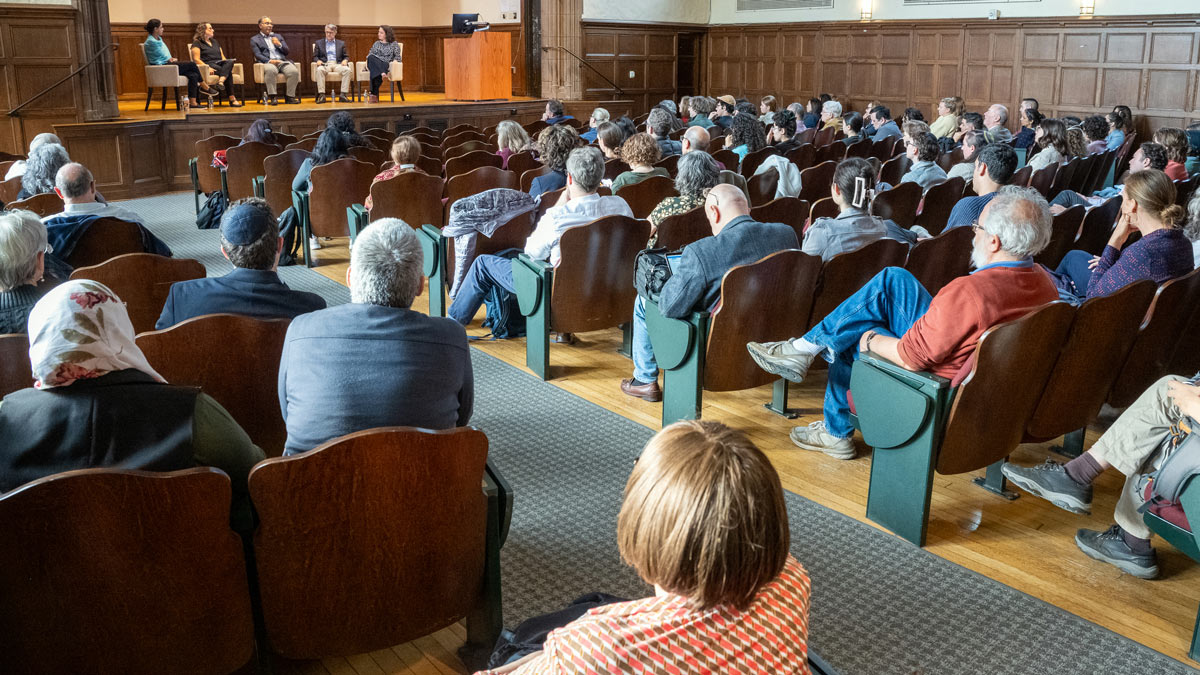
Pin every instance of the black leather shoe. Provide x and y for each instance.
(646, 392)
(342, 98)
(292, 100)
(272, 100)
(320, 98)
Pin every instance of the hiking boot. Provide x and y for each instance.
(1110, 547)
(781, 358)
(1051, 482)
(816, 437)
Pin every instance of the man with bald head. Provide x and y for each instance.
(695, 282)
(894, 317)
(75, 185)
(698, 138)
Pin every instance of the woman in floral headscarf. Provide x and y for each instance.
(96, 402)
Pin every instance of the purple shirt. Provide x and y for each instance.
(1159, 256)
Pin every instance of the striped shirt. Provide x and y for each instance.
(661, 635)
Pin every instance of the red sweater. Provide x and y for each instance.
(1176, 171)
(941, 341)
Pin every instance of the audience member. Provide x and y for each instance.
(697, 173)
(1076, 141)
(912, 115)
(868, 129)
(1163, 252)
(831, 115)
(812, 113)
(885, 127)
(384, 51)
(331, 146)
(669, 105)
(208, 54)
(968, 122)
(579, 204)
(994, 120)
(1149, 155)
(995, 165)
(23, 250)
(853, 190)
(695, 282)
(609, 138)
(936, 334)
(41, 168)
(1193, 158)
(259, 131)
(744, 106)
(628, 127)
(949, 111)
(1136, 444)
(797, 109)
(1029, 104)
(1192, 230)
(329, 385)
(745, 136)
(972, 143)
(555, 143)
(911, 129)
(332, 60)
(18, 166)
(852, 125)
(701, 108)
(698, 486)
(511, 138)
(722, 114)
(1117, 126)
(271, 51)
(75, 186)
(96, 402)
(767, 109)
(1030, 119)
(555, 113)
(158, 54)
(922, 149)
(343, 121)
(685, 109)
(782, 133)
(1051, 138)
(698, 140)
(1175, 141)
(250, 241)
(599, 116)
(1095, 129)
(658, 125)
(640, 152)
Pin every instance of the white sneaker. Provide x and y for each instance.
(781, 358)
(314, 243)
(816, 437)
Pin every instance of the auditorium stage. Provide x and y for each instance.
(143, 153)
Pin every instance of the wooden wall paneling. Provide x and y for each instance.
(38, 46)
(616, 50)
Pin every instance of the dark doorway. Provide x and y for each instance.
(687, 69)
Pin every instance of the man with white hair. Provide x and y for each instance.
(894, 317)
(994, 120)
(18, 167)
(831, 115)
(599, 116)
(374, 362)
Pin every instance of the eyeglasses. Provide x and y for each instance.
(976, 228)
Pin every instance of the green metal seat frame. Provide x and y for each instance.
(1186, 542)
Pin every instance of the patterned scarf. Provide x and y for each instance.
(81, 330)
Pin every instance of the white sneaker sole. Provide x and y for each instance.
(773, 367)
(1123, 565)
(1063, 501)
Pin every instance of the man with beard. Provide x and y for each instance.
(895, 318)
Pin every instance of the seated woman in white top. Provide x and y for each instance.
(1051, 137)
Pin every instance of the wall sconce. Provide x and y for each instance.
(1087, 7)
(865, 12)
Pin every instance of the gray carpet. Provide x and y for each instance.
(879, 605)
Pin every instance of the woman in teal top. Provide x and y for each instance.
(157, 54)
(746, 135)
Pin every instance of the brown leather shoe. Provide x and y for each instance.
(646, 392)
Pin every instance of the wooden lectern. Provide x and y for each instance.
(478, 67)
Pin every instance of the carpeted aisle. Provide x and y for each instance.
(880, 605)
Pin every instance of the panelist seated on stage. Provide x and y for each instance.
(380, 58)
(157, 54)
(271, 50)
(207, 53)
(331, 59)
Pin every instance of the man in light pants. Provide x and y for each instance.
(331, 59)
(271, 50)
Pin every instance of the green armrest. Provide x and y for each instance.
(530, 277)
(902, 415)
(1186, 542)
(679, 348)
(300, 203)
(357, 219)
(259, 183)
(433, 266)
(533, 281)
(194, 170)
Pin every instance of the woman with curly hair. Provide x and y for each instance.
(640, 152)
(41, 168)
(698, 173)
(1076, 141)
(746, 135)
(555, 144)
(1095, 129)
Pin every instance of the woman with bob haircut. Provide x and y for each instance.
(704, 521)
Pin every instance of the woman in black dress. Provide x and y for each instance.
(206, 51)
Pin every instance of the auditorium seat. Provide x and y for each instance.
(16, 373)
(1021, 177)
(588, 290)
(938, 261)
(470, 161)
(412, 197)
(373, 156)
(937, 204)
(843, 274)
(142, 281)
(1065, 177)
(670, 163)
(371, 553)
(1098, 225)
(475, 181)
(791, 211)
(44, 204)
(439, 255)
(98, 575)
(1157, 338)
(105, 238)
(643, 196)
(947, 160)
(884, 148)
(824, 207)
(681, 229)
(815, 182)
(752, 160)
(336, 186)
(429, 165)
(824, 137)
(728, 158)
(278, 172)
(243, 163)
(898, 204)
(765, 301)
(534, 128)
(521, 162)
(205, 177)
(449, 140)
(803, 156)
(460, 128)
(1043, 179)
(859, 149)
(834, 152)
(612, 169)
(918, 423)
(450, 152)
(308, 144)
(1186, 541)
(9, 189)
(1064, 229)
(894, 169)
(526, 183)
(762, 187)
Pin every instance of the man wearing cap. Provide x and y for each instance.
(250, 240)
(723, 115)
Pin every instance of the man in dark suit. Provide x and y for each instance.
(375, 362)
(330, 55)
(271, 50)
(250, 240)
(695, 282)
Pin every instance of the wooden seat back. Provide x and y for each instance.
(806, 136)
(434, 151)
(468, 146)
(670, 163)
(1022, 176)
(1086, 177)
(527, 177)
(894, 169)
(142, 281)
(803, 157)
(1063, 231)
(681, 229)
(283, 140)
(842, 275)
(535, 127)
(815, 181)
(384, 545)
(335, 187)
(157, 584)
(16, 373)
(898, 204)
(1097, 226)
(1065, 176)
(381, 133)
(461, 136)
(823, 208)
(938, 261)
(591, 285)
(612, 169)
(834, 152)
(644, 196)
(763, 186)
(9, 190)
(791, 211)
(243, 163)
(824, 137)
(429, 165)
(306, 144)
(44, 204)
(1042, 179)
(753, 159)
(208, 175)
(859, 148)
(411, 196)
(1101, 335)
(884, 148)
(1157, 338)
(728, 158)
(761, 302)
(470, 161)
(373, 156)
(521, 162)
(234, 359)
(937, 204)
(477, 180)
(279, 171)
(105, 238)
(947, 160)
(993, 404)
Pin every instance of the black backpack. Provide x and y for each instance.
(210, 214)
(504, 315)
(289, 229)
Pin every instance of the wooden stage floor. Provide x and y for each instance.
(1027, 544)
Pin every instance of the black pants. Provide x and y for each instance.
(223, 68)
(377, 67)
(192, 73)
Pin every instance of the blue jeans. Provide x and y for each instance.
(1074, 266)
(1067, 198)
(890, 303)
(486, 272)
(645, 368)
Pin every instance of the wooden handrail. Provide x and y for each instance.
(73, 73)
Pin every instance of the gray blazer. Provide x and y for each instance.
(851, 230)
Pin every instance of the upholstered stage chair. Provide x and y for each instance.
(362, 77)
(237, 78)
(280, 79)
(164, 76)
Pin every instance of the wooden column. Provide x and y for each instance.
(560, 24)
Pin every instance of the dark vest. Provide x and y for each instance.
(123, 419)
